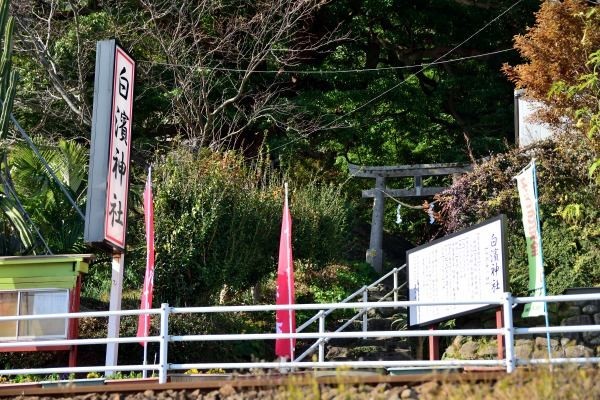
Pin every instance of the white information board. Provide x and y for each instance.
(467, 265)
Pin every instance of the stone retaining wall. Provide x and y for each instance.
(581, 344)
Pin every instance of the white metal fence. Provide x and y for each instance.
(509, 332)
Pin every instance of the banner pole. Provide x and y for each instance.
(145, 371)
(544, 293)
(289, 278)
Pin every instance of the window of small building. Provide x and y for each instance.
(34, 302)
(8, 307)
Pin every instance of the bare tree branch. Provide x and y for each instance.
(35, 33)
(199, 38)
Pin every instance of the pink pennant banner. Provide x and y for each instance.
(146, 299)
(285, 320)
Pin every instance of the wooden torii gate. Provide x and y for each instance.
(374, 254)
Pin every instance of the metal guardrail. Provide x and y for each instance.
(363, 293)
(164, 338)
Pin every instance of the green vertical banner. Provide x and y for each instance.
(527, 186)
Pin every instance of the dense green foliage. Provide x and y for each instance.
(202, 76)
(195, 56)
(400, 114)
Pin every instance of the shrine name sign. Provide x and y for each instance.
(108, 181)
(466, 265)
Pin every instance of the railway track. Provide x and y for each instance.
(238, 384)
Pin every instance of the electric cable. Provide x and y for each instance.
(380, 95)
(343, 71)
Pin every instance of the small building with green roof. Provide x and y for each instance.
(33, 285)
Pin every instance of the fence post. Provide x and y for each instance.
(508, 332)
(164, 343)
(395, 286)
(321, 339)
(365, 321)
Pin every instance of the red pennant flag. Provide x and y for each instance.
(285, 320)
(146, 300)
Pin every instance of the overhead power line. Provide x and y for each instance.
(414, 74)
(336, 71)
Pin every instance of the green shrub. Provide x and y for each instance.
(330, 283)
(33, 359)
(218, 223)
(320, 222)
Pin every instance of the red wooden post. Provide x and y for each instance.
(434, 345)
(500, 338)
(73, 326)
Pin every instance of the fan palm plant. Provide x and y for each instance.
(42, 197)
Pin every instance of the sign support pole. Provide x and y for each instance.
(434, 345)
(116, 289)
(500, 337)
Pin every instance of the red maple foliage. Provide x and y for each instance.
(557, 50)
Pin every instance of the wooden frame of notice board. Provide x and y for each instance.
(466, 265)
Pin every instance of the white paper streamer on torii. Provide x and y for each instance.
(430, 212)
(398, 216)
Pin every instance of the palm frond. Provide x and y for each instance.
(17, 221)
